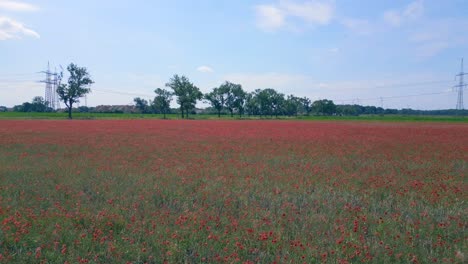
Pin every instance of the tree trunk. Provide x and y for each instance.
(219, 113)
(70, 111)
(182, 110)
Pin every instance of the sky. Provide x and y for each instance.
(395, 54)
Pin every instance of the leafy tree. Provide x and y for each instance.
(17, 108)
(306, 105)
(3, 109)
(239, 96)
(77, 86)
(226, 90)
(162, 101)
(187, 93)
(292, 105)
(141, 104)
(216, 99)
(347, 110)
(277, 102)
(252, 105)
(324, 107)
(234, 97)
(270, 102)
(84, 109)
(39, 104)
(263, 100)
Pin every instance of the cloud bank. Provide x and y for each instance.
(12, 29)
(283, 13)
(16, 6)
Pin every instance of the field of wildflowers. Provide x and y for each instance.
(155, 191)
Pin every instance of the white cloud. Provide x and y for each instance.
(11, 29)
(438, 35)
(359, 26)
(314, 12)
(17, 6)
(269, 18)
(393, 18)
(412, 11)
(278, 15)
(334, 50)
(205, 69)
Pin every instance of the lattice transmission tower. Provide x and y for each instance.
(460, 87)
(51, 84)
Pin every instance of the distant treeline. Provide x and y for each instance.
(228, 99)
(38, 105)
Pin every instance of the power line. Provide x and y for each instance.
(18, 74)
(122, 93)
(412, 84)
(393, 97)
(51, 80)
(15, 80)
(460, 87)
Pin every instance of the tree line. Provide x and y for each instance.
(231, 98)
(228, 98)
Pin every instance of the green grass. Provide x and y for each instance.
(386, 118)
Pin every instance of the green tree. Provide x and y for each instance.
(277, 103)
(141, 104)
(263, 101)
(216, 99)
(162, 101)
(271, 102)
(25, 107)
(252, 105)
(239, 99)
(187, 93)
(76, 87)
(39, 104)
(292, 105)
(305, 106)
(324, 107)
(233, 96)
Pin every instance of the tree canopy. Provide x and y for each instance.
(76, 87)
(141, 105)
(216, 100)
(162, 101)
(187, 93)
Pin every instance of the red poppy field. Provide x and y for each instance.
(157, 191)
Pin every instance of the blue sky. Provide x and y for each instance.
(347, 51)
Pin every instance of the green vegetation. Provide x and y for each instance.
(227, 99)
(156, 191)
(387, 118)
(77, 87)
